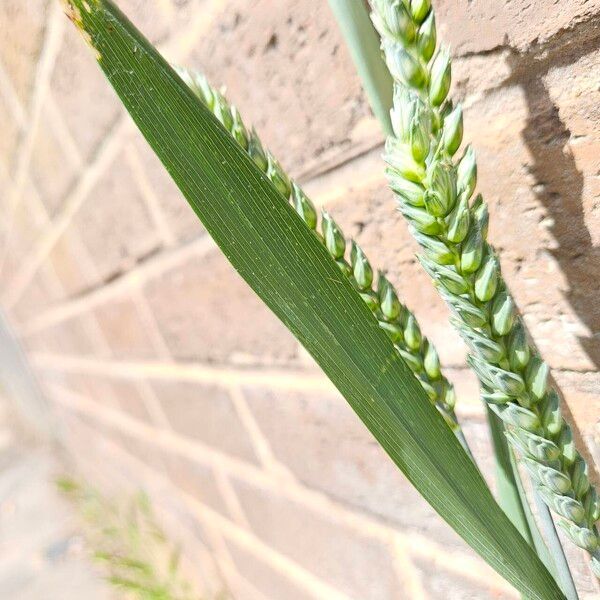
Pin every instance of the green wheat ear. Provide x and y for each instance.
(381, 297)
(435, 194)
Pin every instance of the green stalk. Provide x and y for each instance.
(435, 195)
(393, 316)
(363, 42)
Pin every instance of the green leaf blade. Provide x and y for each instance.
(293, 274)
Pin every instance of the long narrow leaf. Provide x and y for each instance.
(291, 271)
(363, 42)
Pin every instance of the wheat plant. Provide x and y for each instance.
(323, 287)
(436, 194)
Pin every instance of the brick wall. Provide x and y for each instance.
(164, 370)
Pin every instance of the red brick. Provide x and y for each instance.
(22, 27)
(320, 439)
(77, 84)
(205, 311)
(263, 577)
(65, 259)
(124, 329)
(51, 171)
(442, 584)
(196, 480)
(207, 414)
(114, 222)
(359, 566)
(483, 25)
(286, 60)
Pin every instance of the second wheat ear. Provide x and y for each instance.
(435, 193)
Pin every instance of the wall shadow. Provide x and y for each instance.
(559, 187)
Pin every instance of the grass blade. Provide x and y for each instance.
(281, 259)
(363, 42)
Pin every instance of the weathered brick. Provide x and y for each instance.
(483, 25)
(114, 222)
(197, 480)
(8, 139)
(28, 221)
(357, 565)
(130, 399)
(442, 584)
(289, 61)
(124, 329)
(51, 171)
(516, 144)
(43, 291)
(22, 26)
(566, 108)
(76, 336)
(272, 583)
(65, 259)
(78, 84)
(207, 414)
(205, 311)
(324, 444)
(180, 219)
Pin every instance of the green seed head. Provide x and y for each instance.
(405, 66)
(480, 212)
(304, 207)
(420, 9)
(467, 172)
(393, 19)
(410, 192)
(567, 445)
(419, 138)
(278, 177)
(591, 504)
(579, 477)
(536, 377)
(515, 415)
(518, 348)
(412, 333)
(257, 153)
(415, 363)
(471, 315)
(238, 129)
(420, 219)
(334, 238)
(222, 111)
(551, 414)
(399, 157)
(488, 350)
(486, 279)
(436, 250)
(458, 221)
(393, 331)
(431, 362)
(502, 312)
(453, 130)
(548, 477)
(427, 38)
(471, 253)
(361, 268)
(388, 300)
(440, 196)
(440, 77)
(582, 536)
